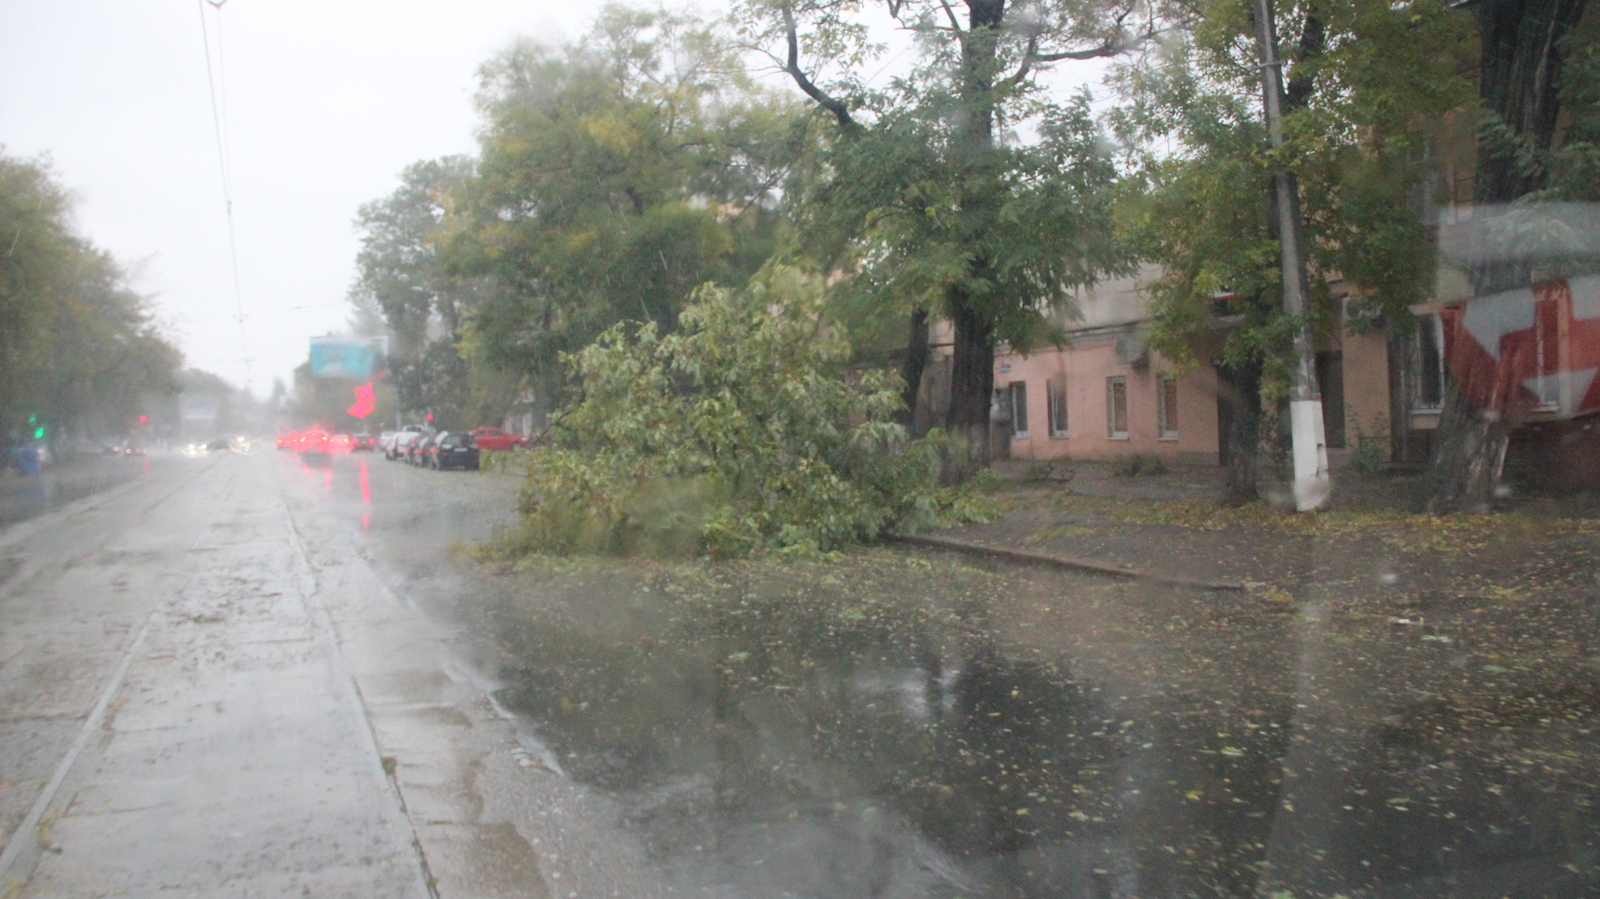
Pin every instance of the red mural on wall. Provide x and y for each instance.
(1528, 353)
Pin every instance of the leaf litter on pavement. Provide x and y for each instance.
(1429, 710)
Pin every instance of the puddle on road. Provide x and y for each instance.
(888, 727)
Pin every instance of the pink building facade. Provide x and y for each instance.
(1103, 394)
(1090, 400)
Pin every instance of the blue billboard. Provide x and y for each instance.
(346, 357)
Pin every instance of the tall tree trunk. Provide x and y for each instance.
(971, 386)
(911, 370)
(972, 365)
(1469, 453)
(1519, 80)
(1242, 385)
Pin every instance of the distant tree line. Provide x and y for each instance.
(78, 346)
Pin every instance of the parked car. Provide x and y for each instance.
(401, 447)
(454, 449)
(496, 440)
(418, 452)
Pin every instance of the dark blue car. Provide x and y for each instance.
(453, 449)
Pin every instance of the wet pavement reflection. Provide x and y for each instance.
(25, 496)
(893, 725)
(876, 738)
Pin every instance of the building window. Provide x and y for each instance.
(1056, 392)
(1117, 408)
(1330, 382)
(1019, 408)
(1427, 364)
(1167, 406)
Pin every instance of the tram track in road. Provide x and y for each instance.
(23, 842)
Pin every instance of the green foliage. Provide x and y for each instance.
(615, 174)
(1369, 83)
(916, 210)
(403, 285)
(929, 190)
(740, 433)
(78, 348)
(1371, 447)
(1569, 170)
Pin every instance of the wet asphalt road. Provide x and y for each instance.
(889, 725)
(25, 496)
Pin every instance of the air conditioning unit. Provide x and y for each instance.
(1132, 351)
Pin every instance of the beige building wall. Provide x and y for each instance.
(1366, 389)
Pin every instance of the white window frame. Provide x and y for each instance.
(1166, 417)
(1019, 408)
(1433, 324)
(1111, 407)
(1055, 397)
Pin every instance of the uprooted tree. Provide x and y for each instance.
(741, 432)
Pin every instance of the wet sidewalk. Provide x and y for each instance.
(1368, 540)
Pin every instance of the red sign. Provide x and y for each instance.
(1532, 352)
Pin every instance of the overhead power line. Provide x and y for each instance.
(217, 123)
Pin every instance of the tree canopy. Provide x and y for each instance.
(616, 174)
(957, 215)
(1371, 86)
(401, 278)
(78, 347)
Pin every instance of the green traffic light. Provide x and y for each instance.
(38, 433)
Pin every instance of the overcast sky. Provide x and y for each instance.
(326, 101)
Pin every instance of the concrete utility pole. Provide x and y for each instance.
(1311, 483)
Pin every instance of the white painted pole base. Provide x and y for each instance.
(1311, 483)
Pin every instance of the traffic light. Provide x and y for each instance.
(430, 416)
(38, 429)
